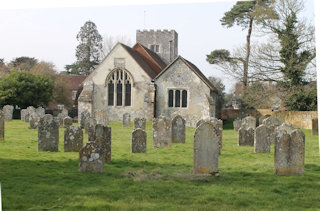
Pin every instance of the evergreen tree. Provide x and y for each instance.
(244, 14)
(88, 51)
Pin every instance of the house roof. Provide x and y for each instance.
(74, 81)
(193, 68)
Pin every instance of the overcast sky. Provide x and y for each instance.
(47, 30)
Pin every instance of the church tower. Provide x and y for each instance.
(162, 42)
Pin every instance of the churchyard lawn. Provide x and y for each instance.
(160, 179)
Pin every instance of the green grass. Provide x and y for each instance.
(160, 179)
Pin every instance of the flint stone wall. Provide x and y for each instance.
(48, 134)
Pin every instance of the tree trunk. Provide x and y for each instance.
(246, 62)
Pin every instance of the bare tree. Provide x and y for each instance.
(110, 41)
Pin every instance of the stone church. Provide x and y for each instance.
(148, 80)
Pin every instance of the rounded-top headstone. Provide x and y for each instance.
(178, 129)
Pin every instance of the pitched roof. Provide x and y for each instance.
(140, 60)
(74, 81)
(154, 61)
(193, 68)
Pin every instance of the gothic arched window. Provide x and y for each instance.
(119, 85)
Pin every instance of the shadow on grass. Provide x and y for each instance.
(43, 184)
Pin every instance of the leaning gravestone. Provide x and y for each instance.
(315, 127)
(139, 123)
(236, 124)
(206, 150)
(48, 134)
(23, 114)
(262, 139)
(1, 125)
(126, 120)
(67, 121)
(73, 139)
(289, 152)
(139, 141)
(91, 125)
(90, 159)
(102, 136)
(8, 112)
(246, 137)
(178, 129)
(161, 128)
(248, 122)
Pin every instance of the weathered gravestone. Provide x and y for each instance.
(64, 112)
(161, 128)
(1, 125)
(139, 141)
(288, 127)
(84, 116)
(91, 121)
(73, 139)
(236, 124)
(263, 118)
(90, 159)
(100, 117)
(248, 122)
(126, 120)
(102, 136)
(205, 150)
(23, 114)
(315, 127)
(200, 122)
(34, 119)
(48, 134)
(91, 125)
(178, 129)
(30, 111)
(246, 137)
(8, 112)
(67, 121)
(262, 139)
(40, 111)
(139, 123)
(60, 118)
(289, 152)
(271, 123)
